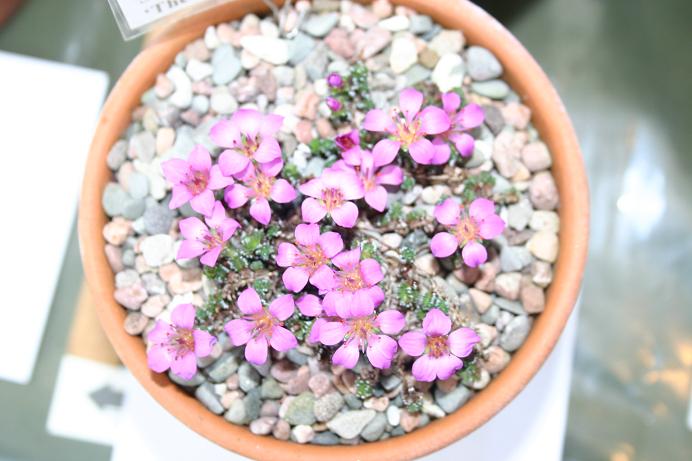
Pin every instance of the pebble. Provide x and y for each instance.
(205, 394)
(449, 72)
(137, 185)
(545, 220)
(133, 208)
(195, 381)
(117, 155)
(482, 381)
(117, 230)
(409, 421)
(157, 249)
(302, 433)
(222, 102)
(270, 389)
(433, 410)
(494, 89)
(535, 156)
(158, 219)
(115, 257)
(393, 415)
(507, 285)
(248, 377)
(493, 119)
(515, 332)
(131, 296)
(375, 428)
(495, 359)
(253, 404)
(126, 278)
(300, 410)
(163, 87)
(514, 258)
(447, 42)
(519, 214)
(403, 55)
(487, 333)
(155, 305)
(263, 425)
(363, 18)
(382, 8)
(114, 199)
(543, 192)
(427, 264)
(377, 403)
(273, 50)
(236, 413)
(541, 273)
(353, 401)
(482, 64)
(395, 23)
(211, 40)
(226, 65)
(532, 297)
(135, 323)
(451, 401)
(223, 367)
(544, 245)
(182, 95)
(506, 154)
(420, 24)
(516, 115)
(373, 41)
(513, 307)
(198, 70)
(481, 300)
(327, 406)
(300, 47)
(282, 430)
(319, 25)
(351, 423)
(428, 58)
(320, 384)
(299, 382)
(392, 240)
(325, 438)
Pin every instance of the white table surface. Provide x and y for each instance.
(530, 428)
(48, 112)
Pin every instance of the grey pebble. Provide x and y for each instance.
(114, 199)
(117, 155)
(389, 383)
(226, 65)
(327, 406)
(300, 47)
(195, 381)
(493, 119)
(510, 306)
(248, 378)
(375, 428)
(481, 64)
(514, 258)
(133, 208)
(158, 219)
(301, 410)
(325, 438)
(319, 25)
(420, 24)
(138, 185)
(353, 401)
(451, 401)
(143, 146)
(349, 425)
(494, 89)
(253, 403)
(515, 333)
(236, 413)
(205, 394)
(224, 367)
(270, 389)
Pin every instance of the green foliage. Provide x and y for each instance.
(408, 183)
(480, 185)
(415, 215)
(215, 303)
(413, 299)
(262, 286)
(470, 373)
(408, 254)
(299, 325)
(415, 407)
(322, 147)
(291, 172)
(393, 214)
(363, 388)
(368, 250)
(354, 94)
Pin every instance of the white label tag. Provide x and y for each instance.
(134, 17)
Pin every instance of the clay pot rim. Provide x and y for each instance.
(550, 119)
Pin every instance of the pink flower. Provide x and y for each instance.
(355, 284)
(309, 258)
(439, 351)
(194, 180)
(468, 118)
(333, 104)
(261, 327)
(466, 230)
(335, 80)
(374, 172)
(408, 126)
(349, 145)
(361, 331)
(177, 345)
(330, 194)
(207, 240)
(259, 185)
(248, 135)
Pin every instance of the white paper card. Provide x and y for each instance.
(48, 113)
(134, 17)
(531, 428)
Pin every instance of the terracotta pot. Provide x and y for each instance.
(549, 117)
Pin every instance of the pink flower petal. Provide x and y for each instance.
(295, 279)
(447, 365)
(248, 121)
(323, 278)
(239, 331)
(249, 302)
(271, 124)
(376, 294)
(330, 242)
(347, 182)
(410, 101)
(471, 116)
(268, 150)
(312, 188)
(491, 227)
(360, 305)
(371, 271)
(450, 102)
(203, 203)
(193, 228)
(282, 339)
(424, 368)
(232, 162)
(442, 152)
(346, 215)
(210, 257)
(282, 307)
(228, 228)
(273, 167)
(422, 151)
(159, 358)
(199, 159)
(261, 211)
(390, 175)
(204, 342)
(332, 333)
(443, 244)
(307, 234)
(381, 350)
(224, 134)
(236, 195)
(390, 322)
(481, 208)
(436, 323)
(344, 303)
(184, 365)
(474, 254)
(347, 260)
(283, 192)
(183, 316)
(160, 333)
(433, 120)
(413, 343)
(217, 216)
(378, 120)
(312, 210)
(286, 254)
(314, 335)
(385, 151)
(309, 305)
(346, 355)
(462, 340)
(175, 170)
(377, 198)
(256, 350)
(217, 180)
(463, 142)
(447, 212)
(329, 302)
(181, 195)
(351, 157)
